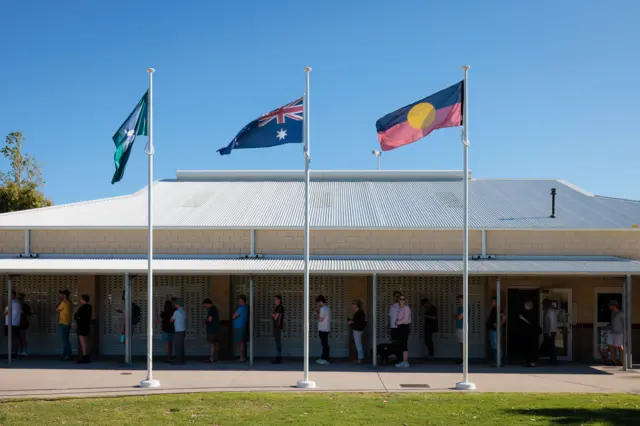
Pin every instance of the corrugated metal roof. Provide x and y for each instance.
(388, 200)
(362, 266)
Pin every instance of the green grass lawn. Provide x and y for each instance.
(329, 409)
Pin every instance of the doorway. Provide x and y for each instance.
(516, 297)
(604, 296)
(560, 299)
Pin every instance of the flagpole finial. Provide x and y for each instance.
(307, 69)
(150, 70)
(466, 67)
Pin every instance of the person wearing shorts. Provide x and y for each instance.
(240, 319)
(212, 327)
(617, 332)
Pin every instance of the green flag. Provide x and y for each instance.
(135, 124)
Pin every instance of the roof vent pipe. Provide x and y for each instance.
(553, 203)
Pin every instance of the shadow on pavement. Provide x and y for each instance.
(582, 416)
(195, 364)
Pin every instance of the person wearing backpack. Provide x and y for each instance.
(358, 324)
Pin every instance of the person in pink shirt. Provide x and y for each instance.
(403, 321)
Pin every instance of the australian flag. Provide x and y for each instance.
(280, 126)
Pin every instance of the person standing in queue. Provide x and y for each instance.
(430, 325)
(323, 314)
(212, 327)
(24, 325)
(616, 333)
(403, 321)
(240, 320)
(550, 330)
(179, 320)
(393, 315)
(168, 330)
(83, 327)
(65, 316)
(278, 322)
(492, 327)
(358, 324)
(459, 316)
(16, 313)
(529, 331)
(136, 316)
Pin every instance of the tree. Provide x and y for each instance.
(20, 186)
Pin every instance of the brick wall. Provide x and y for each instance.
(290, 242)
(596, 243)
(366, 242)
(135, 242)
(221, 295)
(11, 242)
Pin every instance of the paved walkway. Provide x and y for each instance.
(47, 378)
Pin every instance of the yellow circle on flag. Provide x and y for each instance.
(421, 115)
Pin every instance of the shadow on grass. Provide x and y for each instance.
(582, 416)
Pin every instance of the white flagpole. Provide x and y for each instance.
(149, 382)
(305, 382)
(465, 384)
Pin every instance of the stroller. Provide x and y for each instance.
(387, 350)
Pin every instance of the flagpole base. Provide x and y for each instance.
(150, 384)
(306, 384)
(465, 386)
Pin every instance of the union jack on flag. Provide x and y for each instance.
(291, 110)
(281, 126)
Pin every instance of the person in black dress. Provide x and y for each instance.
(83, 324)
(278, 322)
(529, 331)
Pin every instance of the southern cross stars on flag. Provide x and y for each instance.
(278, 127)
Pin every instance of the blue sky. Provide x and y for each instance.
(551, 94)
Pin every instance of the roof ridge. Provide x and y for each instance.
(575, 188)
(77, 203)
(629, 200)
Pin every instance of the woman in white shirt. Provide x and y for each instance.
(403, 321)
(323, 313)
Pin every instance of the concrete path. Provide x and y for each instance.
(46, 378)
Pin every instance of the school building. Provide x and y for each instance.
(216, 230)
